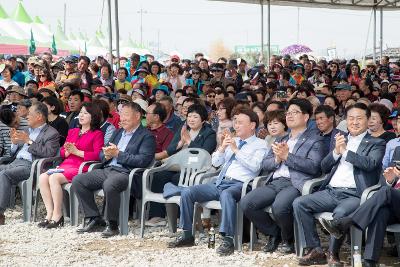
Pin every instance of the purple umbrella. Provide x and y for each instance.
(295, 49)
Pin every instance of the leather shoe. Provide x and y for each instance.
(111, 230)
(272, 244)
(93, 224)
(286, 247)
(332, 226)
(315, 257)
(226, 248)
(334, 260)
(181, 242)
(370, 263)
(2, 219)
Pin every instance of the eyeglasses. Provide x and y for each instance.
(293, 113)
(196, 73)
(42, 75)
(211, 96)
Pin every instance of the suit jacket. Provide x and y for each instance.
(139, 152)
(367, 163)
(46, 145)
(304, 161)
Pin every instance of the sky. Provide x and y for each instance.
(189, 26)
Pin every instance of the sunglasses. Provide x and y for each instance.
(211, 96)
(194, 73)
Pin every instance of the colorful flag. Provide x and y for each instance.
(54, 46)
(32, 45)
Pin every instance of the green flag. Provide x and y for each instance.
(54, 47)
(85, 48)
(32, 45)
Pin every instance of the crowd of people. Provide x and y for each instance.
(292, 120)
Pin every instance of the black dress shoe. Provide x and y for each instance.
(181, 242)
(315, 257)
(226, 248)
(55, 224)
(370, 263)
(272, 244)
(93, 224)
(286, 247)
(43, 223)
(333, 227)
(111, 230)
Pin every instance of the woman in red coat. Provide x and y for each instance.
(82, 144)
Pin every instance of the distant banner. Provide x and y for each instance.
(331, 52)
(243, 49)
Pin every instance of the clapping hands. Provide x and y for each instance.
(281, 151)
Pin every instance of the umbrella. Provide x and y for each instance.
(295, 49)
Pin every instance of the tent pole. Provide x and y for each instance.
(269, 32)
(109, 33)
(374, 36)
(117, 31)
(381, 35)
(262, 30)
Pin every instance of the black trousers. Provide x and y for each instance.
(341, 202)
(375, 214)
(280, 193)
(111, 181)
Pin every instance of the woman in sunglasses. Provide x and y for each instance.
(46, 79)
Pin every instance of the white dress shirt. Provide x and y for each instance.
(344, 175)
(23, 153)
(247, 162)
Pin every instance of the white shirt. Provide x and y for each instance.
(247, 162)
(344, 176)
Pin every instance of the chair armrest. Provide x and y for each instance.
(148, 174)
(131, 174)
(86, 163)
(246, 184)
(259, 180)
(368, 192)
(94, 166)
(197, 175)
(40, 164)
(309, 185)
(207, 177)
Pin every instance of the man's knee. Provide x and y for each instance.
(79, 181)
(299, 203)
(246, 203)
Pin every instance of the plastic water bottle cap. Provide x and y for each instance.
(355, 247)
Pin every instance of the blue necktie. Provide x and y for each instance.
(227, 164)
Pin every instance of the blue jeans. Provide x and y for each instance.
(228, 193)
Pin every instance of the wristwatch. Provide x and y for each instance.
(30, 142)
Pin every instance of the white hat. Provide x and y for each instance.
(387, 103)
(142, 103)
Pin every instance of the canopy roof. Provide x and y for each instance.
(342, 4)
(3, 13)
(20, 14)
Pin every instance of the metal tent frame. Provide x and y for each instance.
(388, 5)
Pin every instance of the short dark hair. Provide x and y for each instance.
(359, 106)
(328, 110)
(95, 112)
(7, 116)
(278, 115)
(52, 101)
(85, 58)
(41, 109)
(159, 110)
(125, 70)
(382, 110)
(304, 105)
(249, 113)
(199, 109)
(191, 100)
(261, 105)
(78, 93)
(280, 104)
(108, 66)
(134, 106)
(229, 104)
(104, 107)
(167, 98)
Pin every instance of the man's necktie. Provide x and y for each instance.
(228, 163)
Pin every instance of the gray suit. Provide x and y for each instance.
(367, 165)
(303, 164)
(46, 145)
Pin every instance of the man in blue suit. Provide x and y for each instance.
(354, 165)
(130, 147)
(293, 159)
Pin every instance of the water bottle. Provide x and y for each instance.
(357, 257)
(211, 238)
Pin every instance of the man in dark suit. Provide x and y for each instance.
(130, 147)
(293, 159)
(41, 141)
(352, 166)
(376, 213)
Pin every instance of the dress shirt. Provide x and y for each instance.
(247, 162)
(23, 153)
(390, 147)
(122, 144)
(283, 170)
(344, 175)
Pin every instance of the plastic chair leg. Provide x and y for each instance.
(253, 236)
(74, 208)
(124, 213)
(299, 241)
(397, 238)
(142, 218)
(35, 205)
(196, 218)
(172, 214)
(12, 197)
(239, 229)
(27, 200)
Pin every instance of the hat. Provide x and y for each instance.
(100, 90)
(142, 103)
(123, 97)
(299, 65)
(176, 57)
(9, 57)
(108, 96)
(32, 60)
(40, 63)
(48, 90)
(163, 88)
(20, 61)
(343, 86)
(383, 69)
(2, 67)
(25, 102)
(17, 89)
(233, 62)
(3, 93)
(317, 68)
(86, 92)
(140, 70)
(387, 103)
(385, 81)
(286, 57)
(370, 62)
(277, 65)
(217, 67)
(57, 64)
(139, 91)
(394, 114)
(71, 59)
